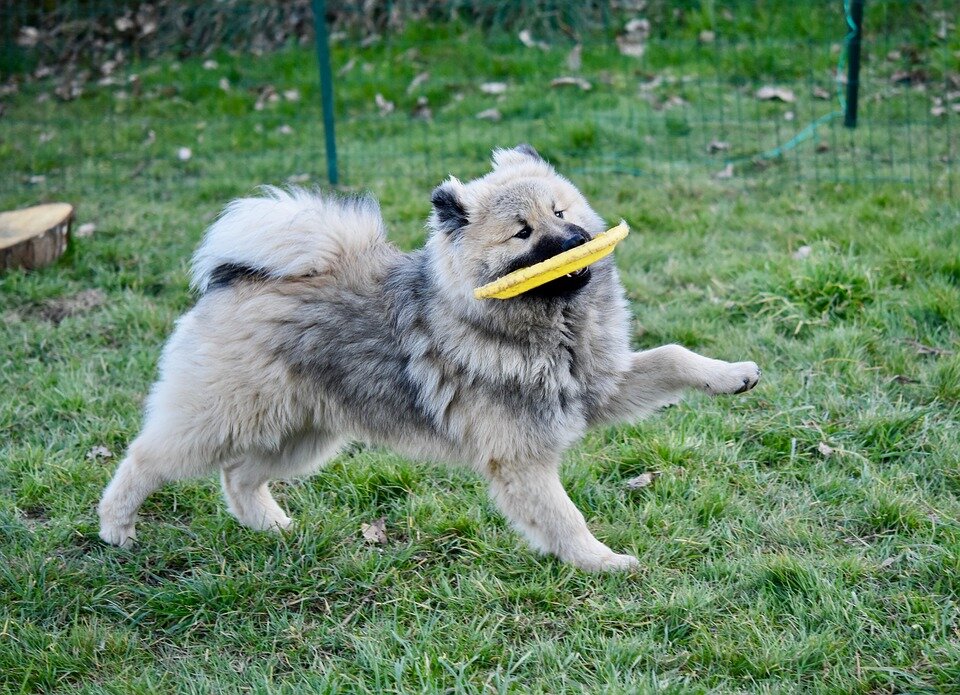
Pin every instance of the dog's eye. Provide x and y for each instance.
(524, 233)
(558, 213)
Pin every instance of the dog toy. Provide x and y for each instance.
(525, 279)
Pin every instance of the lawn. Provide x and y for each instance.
(803, 537)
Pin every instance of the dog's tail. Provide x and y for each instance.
(285, 233)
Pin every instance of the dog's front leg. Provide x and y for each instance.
(533, 499)
(657, 378)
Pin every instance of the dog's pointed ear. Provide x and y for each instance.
(449, 214)
(522, 153)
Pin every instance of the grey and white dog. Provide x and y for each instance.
(313, 330)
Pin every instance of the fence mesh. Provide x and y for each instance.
(219, 96)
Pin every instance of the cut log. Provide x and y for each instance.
(34, 237)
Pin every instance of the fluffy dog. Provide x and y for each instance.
(312, 330)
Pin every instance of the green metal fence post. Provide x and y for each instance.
(853, 64)
(326, 88)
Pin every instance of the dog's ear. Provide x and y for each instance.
(522, 153)
(449, 214)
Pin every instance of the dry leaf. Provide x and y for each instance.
(633, 42)
(291, 94)
(490, 115)
(820, 93)
(824, 448)
(422, 109)
(493, 87)
(801, 253)
(417, 81)
(85, 230)
(903, 379)
(386, 106)
(642, 480)
(715, 146)
(707, 36)
(224, 84)
(572, 82)
(574, 60)
(725, 173)
(210, 65)
(285, 130)
(99, 452)
(526, 38)
(927, 350)
(889, 561)
(376, 531)
(37, 179)
(770, 93)
(184, 153)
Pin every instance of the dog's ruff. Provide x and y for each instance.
(312, 330)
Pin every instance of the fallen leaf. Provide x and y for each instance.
(909, 77)
(224, 84)
(46, 137)
(902, 379)
(210, 65)
(801, 253)
(385, 105)
(291, 94)
(574, 60)
(285, 130)
(642, 480)
(37, 179)
(789, 116)
(417, 81)
(85, 230)
(715, 146)
(493, 87)
(770, 93)
(572, 82)
(725, 173)
(820, 93)
(28, 37)
(99, 452)
(927, 350)
(889, 561)
(376, 531)
(348, 66)
(526, 38)
(633, 42)
(184, 153)
(707, 36)
(422, 109)
(824, 448)
(490, 115)
(56, 310)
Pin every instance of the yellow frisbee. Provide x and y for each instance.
(525, 279)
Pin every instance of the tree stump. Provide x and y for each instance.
(34, 237)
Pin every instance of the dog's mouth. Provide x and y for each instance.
(563, 287)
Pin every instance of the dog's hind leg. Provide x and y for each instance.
(532, 497)
(245, 479)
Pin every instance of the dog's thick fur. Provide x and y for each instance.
(312, 330)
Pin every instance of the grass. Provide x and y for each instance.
(802, 538)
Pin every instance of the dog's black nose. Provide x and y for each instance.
(577, 236)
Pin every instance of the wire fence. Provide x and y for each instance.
(214, 96)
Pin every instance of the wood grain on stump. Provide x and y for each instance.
(34, 237)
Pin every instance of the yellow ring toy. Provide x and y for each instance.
(525, 279)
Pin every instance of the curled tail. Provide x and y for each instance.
(284, 233)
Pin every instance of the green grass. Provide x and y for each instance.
(768, 566)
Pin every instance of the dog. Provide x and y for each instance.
(311, 330)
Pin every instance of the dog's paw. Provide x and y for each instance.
(604, 561)
(732, 377)
(122, 535)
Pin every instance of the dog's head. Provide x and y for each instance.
(519, 214)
